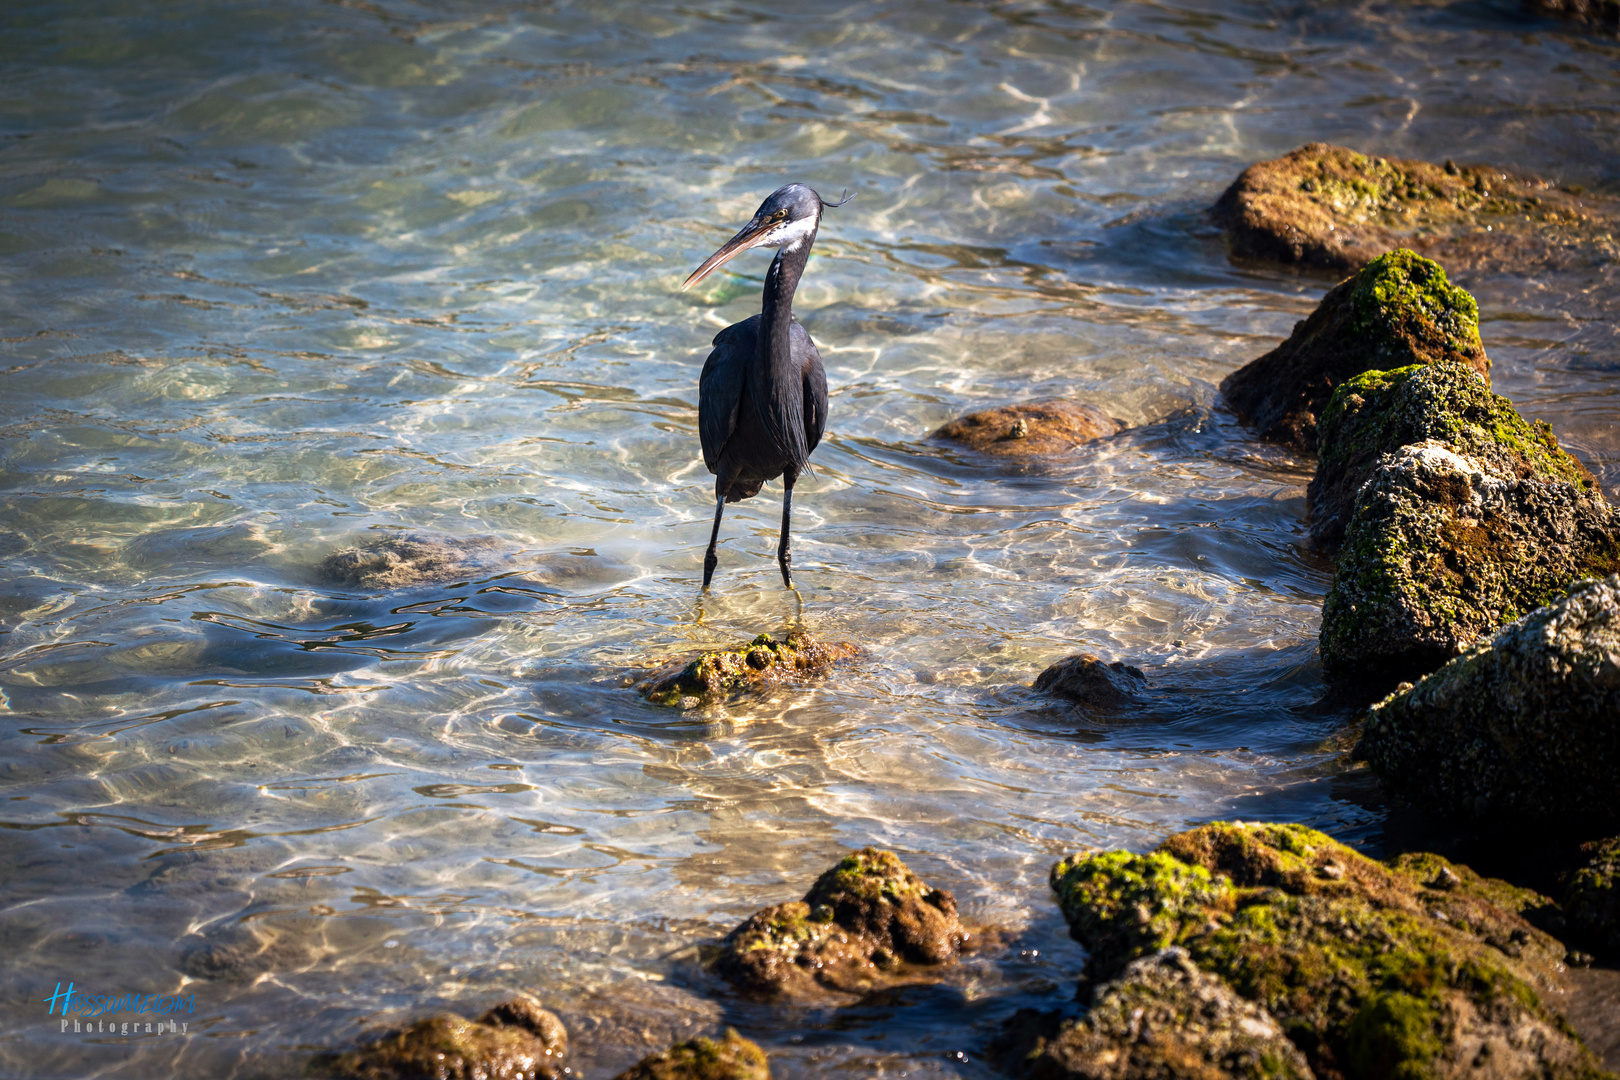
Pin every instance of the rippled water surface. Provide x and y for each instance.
(276, 279)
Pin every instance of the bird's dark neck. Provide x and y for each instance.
(776, 313)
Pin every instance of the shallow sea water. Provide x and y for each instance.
(279, 279)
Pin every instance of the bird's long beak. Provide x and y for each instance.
(747, 238)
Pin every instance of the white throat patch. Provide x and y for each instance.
(789, 235)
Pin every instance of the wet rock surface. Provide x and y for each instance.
(1522, 727)
(1161, 1019)
(1603, 14)
(515, 1040)
(731, 1058)
(866, 923)
(1377, 412)
(1030, 430)
(397, 562)
(1089, 680)
(1331, 207)
(1592, 900)
(1398, 311)
(720, 673)
(1417, 968)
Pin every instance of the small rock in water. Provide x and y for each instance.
(399, 561)
(516, 1040)
(1089, 680)
(762, 662)
(1399, 311)
(1161, 1019)
(1355, 966)
(732, 1058)
(867, 922)
(1331, 207)
(1032, 430)
(1522, 727)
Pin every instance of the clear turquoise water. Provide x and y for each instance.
(276, 279)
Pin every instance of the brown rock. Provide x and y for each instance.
(1030, 430)
(516, 1040)
(866, 923)
(732, 1058)
(400, 561)
(715, 675)
(1086, 679)
(1331, 207)
(1398, 311)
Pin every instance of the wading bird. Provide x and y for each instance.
(762, 397)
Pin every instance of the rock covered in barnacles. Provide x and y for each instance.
(1090, 680)
(1372, 969)
(396, 562)
(1161, 1018)
(515, 1040)
(1399, 310)
(1330, 207)
(1030, 430)
(867, 922)
(764, 661)
(731, 1058)
(1522, 726)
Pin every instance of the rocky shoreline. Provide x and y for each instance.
(1473, 619)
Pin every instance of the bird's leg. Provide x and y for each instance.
(784, 555)
(710, 559)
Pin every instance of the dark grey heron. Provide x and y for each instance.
(762, 397)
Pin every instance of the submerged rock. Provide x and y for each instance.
(1442, 550)
(399, 561)
(1031, 430)
(1377, 412)
(764, 661)
(516, 1040)
(1521, 727)
(732, 1058)
(1160, 1019)
(1398, 311)
(867, 922)
(1415, 969)
(1089, 680)
(1592, 900)
(1331, 207)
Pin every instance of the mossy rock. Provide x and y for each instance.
(721, 673)
(1521, 728)
(1330, 207)
(1592, 900)
(867, 922)
(1398, 311)
(1089, 680)
(1036, 429)
(398, 562)
(1376, 412)
(1441, 551)
(516, 1040)
(1371, 971)
(732, 1058)
(1161, 1019)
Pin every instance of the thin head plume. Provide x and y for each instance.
(844, 197)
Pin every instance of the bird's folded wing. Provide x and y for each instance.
(720, 387)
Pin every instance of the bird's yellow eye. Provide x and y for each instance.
(780, 215)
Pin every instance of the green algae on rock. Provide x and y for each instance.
(1090, 680)
(1521, 727)
(1592, 900)
(1160, 1019)
(732, 1058)
(867, 922)
(1398, 311)
(1371, 971)
(1331, 207)
(1030, 430)
(764, 661)
(1376, 412)
(515, 1040)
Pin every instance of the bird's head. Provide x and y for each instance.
(787, 218)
